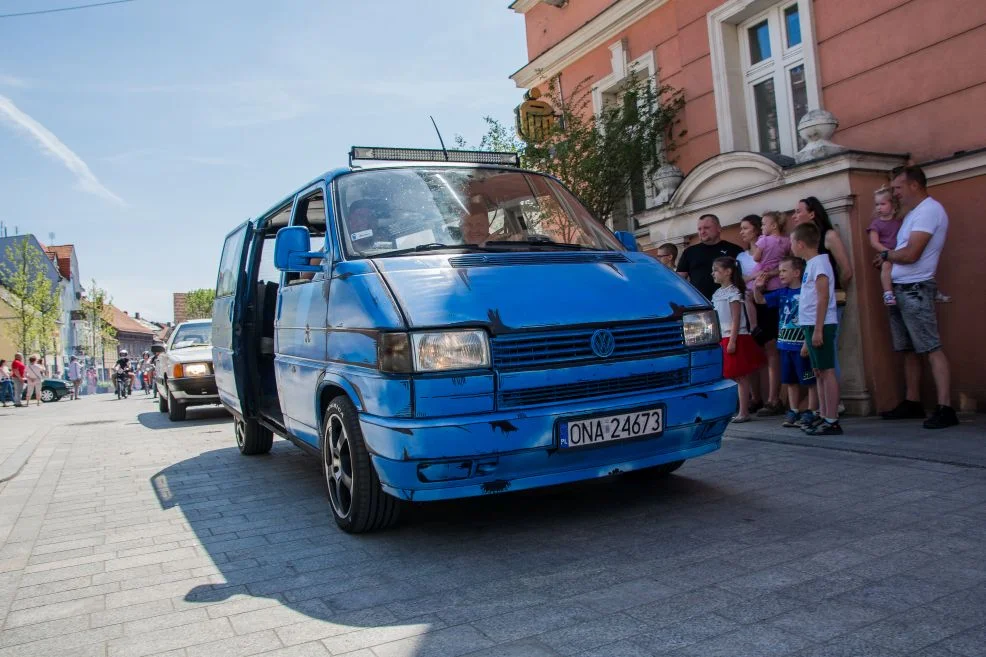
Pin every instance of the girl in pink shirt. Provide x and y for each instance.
(770, 249)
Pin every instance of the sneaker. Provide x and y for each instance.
(816, 421)
(941, 418)
(889, 299)
(826, 429)
(770, 409)
(791, 419)
(906, 410)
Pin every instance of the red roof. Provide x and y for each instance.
(62, 256)
(124, 322)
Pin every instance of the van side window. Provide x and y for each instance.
(310, 213)
(229, 266)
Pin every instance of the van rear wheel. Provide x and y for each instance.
(251, 438)
(358, 502)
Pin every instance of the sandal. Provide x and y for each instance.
(740, 419)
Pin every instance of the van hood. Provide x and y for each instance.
(516, 291)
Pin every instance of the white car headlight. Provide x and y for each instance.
(450, 350)
(197, 369)
(700, 328)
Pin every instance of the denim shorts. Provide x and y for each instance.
(913, 321)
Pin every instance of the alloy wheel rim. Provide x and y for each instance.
(338, 460)
(239, 431)
(47, 395)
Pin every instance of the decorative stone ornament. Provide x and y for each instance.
(666, 180)
(816, 128)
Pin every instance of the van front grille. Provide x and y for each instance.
(592, 389)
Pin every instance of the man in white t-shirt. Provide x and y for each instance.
(913, 321)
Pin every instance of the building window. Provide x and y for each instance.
(760, 102)
(774, 78)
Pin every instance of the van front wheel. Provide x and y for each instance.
(251, 438)
(358, 502)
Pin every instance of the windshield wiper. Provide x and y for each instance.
(543, 242)
(194, 344)
(433, 246)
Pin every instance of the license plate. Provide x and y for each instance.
(589, 431)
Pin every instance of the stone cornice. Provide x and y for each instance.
(523, 6)
(601, 29)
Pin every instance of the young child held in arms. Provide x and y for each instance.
(883, 236)
(741, 355)
(770, 248)
(796, 372)
(817, 318)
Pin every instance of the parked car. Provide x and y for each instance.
(458, 329)
(183, 374)
(52, 390)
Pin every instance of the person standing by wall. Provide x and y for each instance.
(913, 320)
(667, 255)
(6, 384)
(35, 374)
(695, 265)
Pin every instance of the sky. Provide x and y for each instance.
(144, 132)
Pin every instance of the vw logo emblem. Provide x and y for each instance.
(603, 343)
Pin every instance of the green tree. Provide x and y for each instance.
(600, 157)
(198, 303)
(35, 301)
(96, 308)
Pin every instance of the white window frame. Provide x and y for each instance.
(610, 86)
(734, 77)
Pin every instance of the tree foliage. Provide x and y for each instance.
(35, 299)
(198, 303)
(600, 156)
(96, 308)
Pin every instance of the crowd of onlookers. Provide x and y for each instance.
(20, 381)
(780, 297)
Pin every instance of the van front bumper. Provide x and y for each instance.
(464, 456)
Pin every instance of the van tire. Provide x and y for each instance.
(176, 411)
(251, 438)
(344, 455)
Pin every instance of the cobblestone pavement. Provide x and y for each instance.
(125, 534)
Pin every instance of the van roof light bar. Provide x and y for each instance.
(432, 155)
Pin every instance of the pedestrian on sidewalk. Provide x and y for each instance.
(741, 356)
(75, 376)
(818, 320)
(35, 374)
(17, 374)
(695, 265)
(6, 384)
(913, 320)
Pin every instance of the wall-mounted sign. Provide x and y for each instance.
(535, 118)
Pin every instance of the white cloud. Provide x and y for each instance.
(53, 146)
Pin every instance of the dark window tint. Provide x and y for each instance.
(767, 129)
(759, 42)
(799, 97)
(792, 25)
(229, 265)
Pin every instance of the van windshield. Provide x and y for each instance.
(393, 211)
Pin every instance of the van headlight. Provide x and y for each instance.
(700, 328)
(439, 351)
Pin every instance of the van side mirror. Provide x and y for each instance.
(157, 349)
(292, 250)
(627, 240)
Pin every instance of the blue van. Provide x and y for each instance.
(441, 324)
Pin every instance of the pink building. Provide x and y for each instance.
(904, 79)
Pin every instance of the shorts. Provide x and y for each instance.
(768, 319)
(913, 321)
(822, 358)
(748, 357)
(795, 368)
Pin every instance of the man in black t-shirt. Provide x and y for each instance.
(695, 265)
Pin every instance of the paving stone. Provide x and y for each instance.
(448, 642)
(828, 619)
(238, 646)
(684, 633)
(523, 648)
(754, 641)
(375, 636)
(150, 643)
(913, 629)
(590, 634)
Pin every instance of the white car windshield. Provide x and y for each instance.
(389, 212)
(192, 335)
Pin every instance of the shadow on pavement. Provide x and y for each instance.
(266, 524)
(196, 417)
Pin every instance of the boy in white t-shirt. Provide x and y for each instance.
(818, 319)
